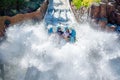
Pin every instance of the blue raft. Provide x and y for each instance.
(72, 33)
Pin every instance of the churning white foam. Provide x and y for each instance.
(29, 53)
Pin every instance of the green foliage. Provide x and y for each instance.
(77, 3)
(86, 3)
(97, 1)
(4, 4)
(13, 7)
(20, 2)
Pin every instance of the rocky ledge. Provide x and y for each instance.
(6, 21)
(106, 14)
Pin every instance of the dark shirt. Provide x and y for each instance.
(59, 32)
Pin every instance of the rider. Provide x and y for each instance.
(66, 34)
(59, 31)
(50, 29)
(72, 35)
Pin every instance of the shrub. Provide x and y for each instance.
(86, 3)
(7, 5)
(77, 3)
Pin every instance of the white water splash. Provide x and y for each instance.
(30, 54)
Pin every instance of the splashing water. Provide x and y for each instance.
(29, 53)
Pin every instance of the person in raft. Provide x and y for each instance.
(66, 34)
(73, 36)
(59, 31)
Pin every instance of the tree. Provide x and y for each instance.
(7, 5)
(77, 3)
(86, 3)
(19, 4)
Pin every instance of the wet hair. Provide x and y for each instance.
(59, 31)
(67, 30)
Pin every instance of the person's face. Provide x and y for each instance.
(67, 31)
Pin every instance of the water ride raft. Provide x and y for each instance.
(65, 32)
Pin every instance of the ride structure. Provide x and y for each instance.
(59, 16)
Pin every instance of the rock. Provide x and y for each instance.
(103, 13)
(118, 2)
(110, 8)
(1, 34)
(118, 29)
(105, 1)
(110, 27)
(36, 16)
(102, 22)
(112, 3)
(95, 9)
(111, 0)
(112, 17)
(118, 18)
(111, 13)
(118, 7)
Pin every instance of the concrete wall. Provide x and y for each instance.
(37, 15)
